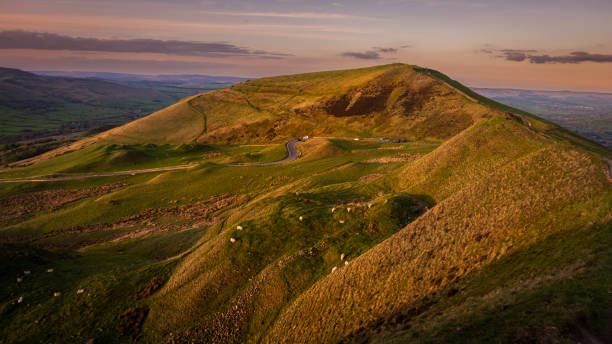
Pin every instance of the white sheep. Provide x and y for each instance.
(348, 210)
(57, 293)
(20, 299)
(342, 256)
(346, 262)
(334, 268)
(80, 291)
(232, 240)
(301, 218)
(27, 272)
(239, 227)
(341, 222)
(333, 209)
(49, 270)
(19, 279)
(369, 205)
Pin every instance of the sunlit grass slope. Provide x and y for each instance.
(496, 208)
(499, 233)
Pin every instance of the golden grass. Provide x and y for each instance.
(485, 219)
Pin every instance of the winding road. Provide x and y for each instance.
(292, 155)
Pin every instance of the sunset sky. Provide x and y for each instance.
(543, 44)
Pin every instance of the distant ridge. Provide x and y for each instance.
(124, 77)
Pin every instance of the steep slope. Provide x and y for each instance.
(508, 205)
(391, 100)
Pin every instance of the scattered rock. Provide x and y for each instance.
(25, 205)
(19, 279)
(150, 288)
(27, 272)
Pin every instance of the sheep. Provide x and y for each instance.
(20, 299)
(49, 270)
(80, 291)
(346, 262)
(57, 293)
(27, 272)
(301, 218)
(333, 209)
(334, 268)
(341, 222)
(348, 210)
(239, 227)
(19, 279)
(369, 205)
(342, 256)
(232, 240)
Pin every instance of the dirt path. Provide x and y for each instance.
(92, 175)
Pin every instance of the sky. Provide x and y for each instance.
(532, 44)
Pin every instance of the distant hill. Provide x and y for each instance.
(164, 78)
(587, 113)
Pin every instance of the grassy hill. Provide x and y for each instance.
(487, 226)
(39, 113)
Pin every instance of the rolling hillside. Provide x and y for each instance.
(41, 112)
(487, 225)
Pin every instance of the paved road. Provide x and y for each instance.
(371, 139)
(292, 154)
